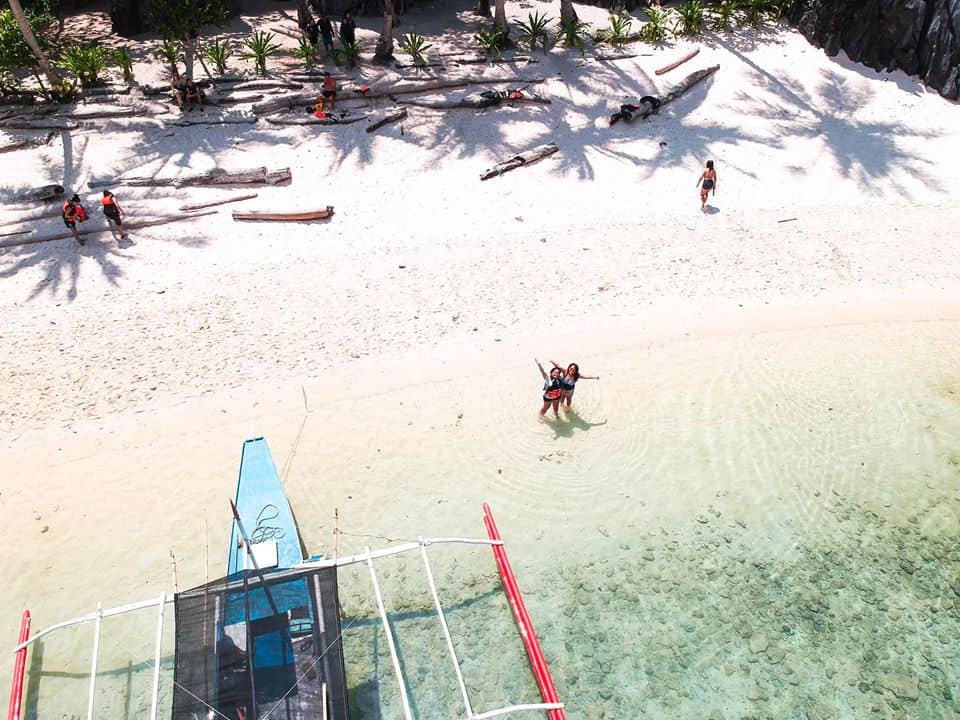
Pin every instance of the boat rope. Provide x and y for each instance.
(267, 532)
(309, 669)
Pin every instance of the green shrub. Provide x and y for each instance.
(121, 58)
(84, 61)
(658, 26)
(756, 11)
(573, 33)
(14, 52)
(260, 47)
(170, 52)
(691, 18)
(348, 52)
(65, 92)
(307, 52)
(218, 52)
(725, 15)
(491, 40)
(534, 30)
(415, 46)
(619, 30)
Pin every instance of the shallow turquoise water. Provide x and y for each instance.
(757, 525)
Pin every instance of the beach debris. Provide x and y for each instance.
(677, 63)
(618, 56)
(525, 158)
(217, 176)
(213, 203)
(8, 144)
(18, 123)
(331, 119)
(133, 225)
(214, 120)
(45, 193)
(648, 105)
(285, 102)
(487, 99)
(285, 217)
(388, 117)
(785, 220)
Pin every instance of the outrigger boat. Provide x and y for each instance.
(265, 641)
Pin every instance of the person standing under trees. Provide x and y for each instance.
(707, 182)
(112, 211)
(348, 28)
(326, 32)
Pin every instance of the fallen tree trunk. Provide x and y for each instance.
(481, 60)
(228, 120)
(287, 101)
(525, 158)
(124, 111)
(214, 203)
(649, 105)
(315, 120)
(41, 194)
(15, 232)
(105, 90)
(477, 104)
(50, 212)
(15, 144)
(217, 176)
(677, 63)
(624, 56)
(261, 85)
(49, 124)
(129, 225)
(216, 99)
(285, 217)
(389, 117)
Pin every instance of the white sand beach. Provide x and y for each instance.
(131, 372)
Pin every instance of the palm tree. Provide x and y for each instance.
(52, 76)
(500, 18)
(567, 12)
(384, 49)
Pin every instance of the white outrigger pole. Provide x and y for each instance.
(551, 704)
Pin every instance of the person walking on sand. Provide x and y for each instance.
(112, 210)
(73, 213)
(552, 391)
(568, 380)
(706, 183)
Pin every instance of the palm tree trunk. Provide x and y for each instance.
(52, 76)
(500, 17)
(384, 50)
(567, 12)
(483, 8)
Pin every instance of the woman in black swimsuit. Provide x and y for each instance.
(707, 182)
(552, 390)
(568, 380)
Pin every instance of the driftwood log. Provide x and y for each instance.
(287, 101)
(677, 63)
(15, 232)
(285, 217)
(48, 124)
(624, 56)
(311, 120)
(260, 85)
(100, 113)
(41, 194)
(105, 90)
(129, 225)
(214, 203)
(10, 144)
(524, 158)
(213, 120)
(473, 103)
(648, 106)
(391, 116)
(217, 176)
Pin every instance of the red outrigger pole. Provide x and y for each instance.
(19, 670)
(541, 672)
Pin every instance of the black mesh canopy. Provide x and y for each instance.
(250, 648)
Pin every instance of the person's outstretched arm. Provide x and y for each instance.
(542, 371)
(554, 363)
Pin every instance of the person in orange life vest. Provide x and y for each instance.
(552, 390)
(73, 213)
(112, 210)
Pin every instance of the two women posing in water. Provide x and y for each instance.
(559, 384)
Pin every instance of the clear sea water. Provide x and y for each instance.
(754, 525)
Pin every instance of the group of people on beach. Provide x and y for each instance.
(320, 29)
(559, 385)
(73, 212)
(186, 92)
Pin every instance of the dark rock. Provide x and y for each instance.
(917, 36)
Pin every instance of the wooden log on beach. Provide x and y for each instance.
(15, 232)
(524, 158)
(677, 63)
(311, 120)
(8, 145)
(474, 103)
(214, 203)
(41, 194)
(287, 101)
(105, 90)
(101, 113)
(285, 217)
(48, 124)
(391, 116)
(213, 120)
(624, 56)
(260, 85)
(217, 176)
(129, 226)
(649, 105)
